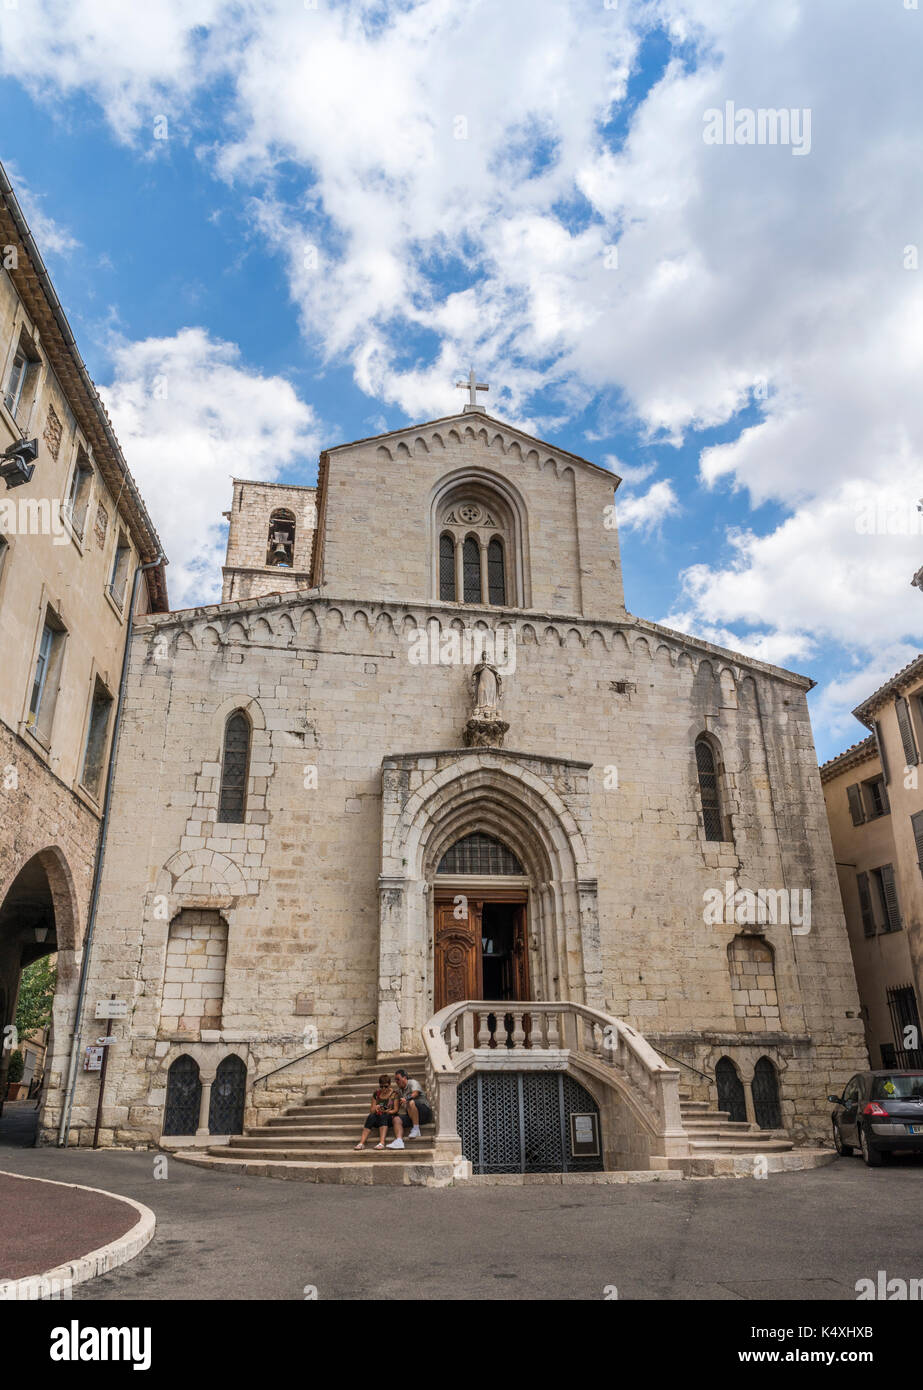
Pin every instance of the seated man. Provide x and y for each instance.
(413, 1109)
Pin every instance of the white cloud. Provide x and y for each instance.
(744, 276)
(648, 511)
(190, 417)
(50, 235)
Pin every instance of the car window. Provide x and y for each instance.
(851, 1091)
(897, 1087)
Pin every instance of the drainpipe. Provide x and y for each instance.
(98, 866)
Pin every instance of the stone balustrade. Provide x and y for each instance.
(637, 1091)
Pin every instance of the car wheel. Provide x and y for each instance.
(869, 1152)
(844, 1150)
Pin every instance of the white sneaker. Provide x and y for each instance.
(396, 1144)
(415, 1133)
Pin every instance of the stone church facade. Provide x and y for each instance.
(420, 753)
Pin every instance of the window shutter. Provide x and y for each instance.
(892, 911)
(911, 756)
(879, 744)
(855, 804)
(917, 823)
(865, 904)
(885, 803)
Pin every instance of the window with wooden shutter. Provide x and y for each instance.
(889, 898)
(856, 809)
(876, 798)
(911, 757)
(917, 824)
(880, 745)
(865, 904)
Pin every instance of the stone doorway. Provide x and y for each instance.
(480, 947)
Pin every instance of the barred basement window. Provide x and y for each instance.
(496, 576)
(479, 854)
(471, 570)
(708, 788)
(447, 568)
(235, 765)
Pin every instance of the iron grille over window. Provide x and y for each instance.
(765, 1091)
(233, 800)
(184, 1096)
(471, 570)
(226, 1107)
(708, 787)
(447, 568)
(730, 1090)
(479, 854)
(496, 578)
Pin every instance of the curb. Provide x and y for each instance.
(57, 1282)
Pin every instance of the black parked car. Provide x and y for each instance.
(879, 1112)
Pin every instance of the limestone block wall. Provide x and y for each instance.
(375, 514)
(332, 692)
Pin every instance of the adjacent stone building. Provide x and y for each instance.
(421, 753)
(875, 807)
(76, 547)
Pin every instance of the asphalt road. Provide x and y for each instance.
(802, 1236)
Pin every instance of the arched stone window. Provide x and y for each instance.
(226, 1105)
(447, 589)
(731, 1096)
(184, 1097)
(496, 572)
(765, 1091)
(193, 983)
(479, 543)
(235, 766)
(471, 570)
(753, 984)
(280, 549)
(713, 818)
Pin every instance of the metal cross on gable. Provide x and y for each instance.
(473, 386)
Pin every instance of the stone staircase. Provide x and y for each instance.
(713, 1135)
(316, 1141)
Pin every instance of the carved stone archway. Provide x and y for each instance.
(429, 801)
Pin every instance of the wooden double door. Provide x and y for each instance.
(480, 948)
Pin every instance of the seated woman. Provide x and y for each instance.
(384, 1107)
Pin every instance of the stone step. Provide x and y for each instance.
(739, 1145)
(360, 1173)
(724, 1126)
(313, 1139)
(326, 1155)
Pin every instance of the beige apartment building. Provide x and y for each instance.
(875, 807)
(76, 545)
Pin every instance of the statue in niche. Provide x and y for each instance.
(485, 728)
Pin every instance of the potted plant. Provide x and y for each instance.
(14, 1076)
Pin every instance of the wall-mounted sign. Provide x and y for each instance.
(93, 1059)
(584, 1134)
(112, 1008)
(105, 1042)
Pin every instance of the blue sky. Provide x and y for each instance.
(353, 201)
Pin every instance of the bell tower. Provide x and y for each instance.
(271, 530)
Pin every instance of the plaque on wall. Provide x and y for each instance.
(584, 1134)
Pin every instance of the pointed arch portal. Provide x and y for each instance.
(455, 920)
